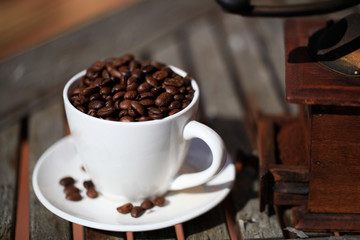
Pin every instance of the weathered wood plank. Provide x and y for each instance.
(9, 148)
(211, 225)
(94, 234)
(41, 72)
(253, 72)
(165, 233)
(218, 99)
(45, 127)
(219, 103)
(255, 224)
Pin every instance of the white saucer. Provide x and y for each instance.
(60, 160)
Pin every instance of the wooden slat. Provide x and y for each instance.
(94, 234)
(219, 104)
(165, 233)
(287, 173)
(45, 127)
(211, 225)
(41, 72)
(255, 224)
(9, 147)
(252, 67)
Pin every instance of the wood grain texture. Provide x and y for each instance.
(334, 164)
(41, 73)
(45, 128)
(286, 173)
(95, 234)
(307, 82)
(9, 156)
(255, 224)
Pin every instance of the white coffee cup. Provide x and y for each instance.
(138, 160)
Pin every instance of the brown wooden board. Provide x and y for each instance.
(305, 220)
(40, 73)
(335, 163)
(9, 162)
(308, 82)
(45, 128)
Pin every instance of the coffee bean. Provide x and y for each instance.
(159, 201)
(73, 196)
(137, 73)
(132, 87)
(147, 204)
(123, 113)
(118, 87)
(92, 193)
(133, 65)
(97, 66)
(144, 87)
(174, 105)
(146, 95)
(126, 208)
(178, 97)
(88, 91)
(118, 95)
(81, 109)
(136, 212)
(96, 104)
(148, 69)
(67, 181)
(127, 119)
(115, 73)
(151, 81)
(125, 104)
(106, 111)
(174, 82)
(172, 90)
(92, 112)
(88, 184)
(105, 74)
(172, 112)
(185, 103)
(160, 75)
(144, 118)
(164, 99)
(147, 102)
(132, 113)
(138, 107)
(71, 188)
(105, 90)
(157, 90)
(95, 96)
(130, 95)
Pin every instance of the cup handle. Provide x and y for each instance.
(194, 129)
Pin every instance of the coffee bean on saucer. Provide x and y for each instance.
(147, 204)
(70, 189)
(136, 211)
(159, 201)
(126, 208)
(88, 184)
(67, 181)
(73, 196)
(92, 193)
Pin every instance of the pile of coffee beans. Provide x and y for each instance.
(72, 193)
(137, 211)
(127, 90)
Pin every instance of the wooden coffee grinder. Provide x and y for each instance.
(311, 162)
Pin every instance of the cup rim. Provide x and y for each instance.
(77, 77)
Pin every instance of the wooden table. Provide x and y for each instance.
(239, 64)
